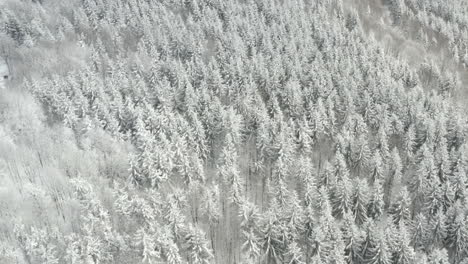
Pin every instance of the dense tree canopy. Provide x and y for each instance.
(228, 131)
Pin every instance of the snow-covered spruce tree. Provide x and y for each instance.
(359, 201)
(376, 248)
(404, 253)
(353, 237)
(457, 233)
(250, 227)
(341, 197)
(229, 172)
(400, 208)
(419, 227)
(375, 207)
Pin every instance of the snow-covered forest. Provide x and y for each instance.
(233, 131)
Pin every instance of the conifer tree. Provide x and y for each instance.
(197, 246)
(404, 253)
(228, 170)
(271, 239)
(360, 153)
(294, 254)
(439, 256)
(326, 175)
(379, 253)
(400, 209)
(438, 229)
(359, 201)
(409, 143)
(377, 169)
(341, 198)
(352, 237)
(419, 231)
(394, 179)
(457, 237)
(376, 203)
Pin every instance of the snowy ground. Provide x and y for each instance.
(402, 41)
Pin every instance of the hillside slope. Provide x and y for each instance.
(232, 131)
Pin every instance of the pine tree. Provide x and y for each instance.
(376, 203)
(438, 229)
(326, 176)
(378, 251)
(250, 221)
(228, 170)
(394, 180)
(337, 255)
(352, 237)
(199, 136)
(360, 153)
(171, 253)
(378, 170)
(409, 143)
(341, 199)
(272, 246)
(434, 199)
(173, 213)
(197, 246)
(149, 249)
(304, 139)
(211, 208)
(340, 166)
(419, 231)
(400, 209)
(404, 253)
(210, 203)
(36, 244)
(294, 254)
(459, 182)
(457, 237)
(320, 245)
(319, 120)
(306, 177)
(424, 175)
(359, 200)
(251, 247)
(383, 142)
(439, 256)
(441, 157)
(369, 241)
